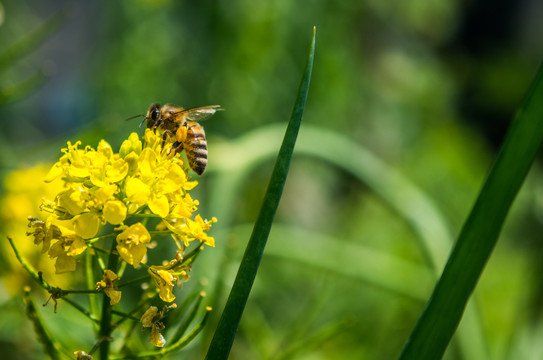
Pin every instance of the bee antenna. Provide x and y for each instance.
(135, 116)
(141, 123)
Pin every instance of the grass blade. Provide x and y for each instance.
(442, 314)
(226, 330)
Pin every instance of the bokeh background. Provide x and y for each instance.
(408, 104)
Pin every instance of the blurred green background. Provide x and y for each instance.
(408, 104)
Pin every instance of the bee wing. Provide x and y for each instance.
(200, 113)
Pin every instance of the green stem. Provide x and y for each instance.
(89, 278)
(133, 281)
(103, 237)
(30, 269)
(145, 215)
(125, 315)
(186, 322)
(81, 310)
(176, 346)
(191, 256)
(85, 291)
(49, 344)
(104, 334)
(160, 232)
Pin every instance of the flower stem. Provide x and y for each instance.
(137, 280)
(98, 238)
(37, 276)
(81, 309)
(104, 335)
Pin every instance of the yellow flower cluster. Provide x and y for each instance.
(101, 187)
(21, 197)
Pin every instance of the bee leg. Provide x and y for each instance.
(177, 147)
(157, 123)
(165, 136)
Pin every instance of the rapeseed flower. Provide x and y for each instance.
(100, 188)
(107, 211)
(108, 286)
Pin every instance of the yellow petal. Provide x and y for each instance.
(65, 264)
(148, 317)
(110, 275)
(81, 355)
(105, 149)
(71, 201)
(166, 293)
(159, 205)
(132, 144)
(151, 139)
(132, 254)
(105, 193)
(56, 250)
(117, 171)
(208, 240)
(132, 161)
(86, 225)
(176, 177)
(79, 169)
(114, 295)
(137, 191)
(166, 276)
(54, 173)
(114, 212)
(189, 185)
(147, 163)
(156, 337)
(78, 247)
(131, 243)
(136, 233)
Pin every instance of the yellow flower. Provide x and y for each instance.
(115, 212)
(189, 230)
(165, 281)
(108, 285)
(43, 234)
(86, 225)
(137, 192)
(151, 318)
(156, 337)
(198, 229)
(105, 201)
(81, 355)
(147, 163)
(72, 200)
(132, 144)
(59, 242)
(64, 262)
(101, 187)
(184, 206)
(158, 204)
(105, 193)
(132, 244)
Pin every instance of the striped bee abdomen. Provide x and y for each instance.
(196, 148)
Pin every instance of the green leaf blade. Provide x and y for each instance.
(442, 314)
(223, 338)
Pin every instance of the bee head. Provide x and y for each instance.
(153, 116)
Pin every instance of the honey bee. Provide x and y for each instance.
(180, 126)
